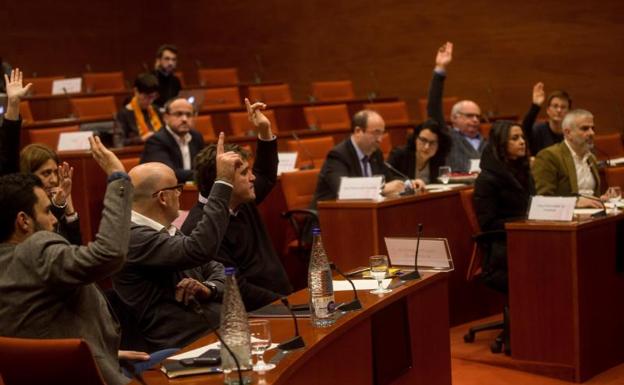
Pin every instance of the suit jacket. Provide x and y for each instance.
(157, 261)
(48, 286)
(539, 135)
(341, 161)
(554, 171)
(9, 146)
(461, 150)
(162, 147)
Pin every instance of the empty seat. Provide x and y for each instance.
(103, 81)
(180, 76)
(333, 90)
(241, 126)
(386, 145)
(101, 107)
(217, 98)
(130, 163)
(43, 85)
(311, 152)
(608, 146)
(49, 136)
(216, 77)
(203, 124)
(327, 117)
(447, 104)
(391, 112)
(270, 95)
(485, 130)
(614, 176)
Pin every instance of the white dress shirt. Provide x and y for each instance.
(183, 143)
(584, 176)
(142, 220)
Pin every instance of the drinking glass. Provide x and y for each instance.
(444, 174)
(379, 269)
(614, 194)
(260, 332)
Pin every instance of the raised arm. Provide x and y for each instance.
(265, 164)
(531, 116)
(15, 92)
(435, 110)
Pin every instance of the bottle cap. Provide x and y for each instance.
(316, 231)
(230, 270)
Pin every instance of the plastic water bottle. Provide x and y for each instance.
(320, 285)
(234, 331)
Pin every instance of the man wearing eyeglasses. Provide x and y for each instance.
(167, 274)
(176, 145)
(467, 141)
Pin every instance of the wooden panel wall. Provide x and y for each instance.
(387, 46)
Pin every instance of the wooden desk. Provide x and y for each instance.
(566, 296)
(399, 338)
(354, 230)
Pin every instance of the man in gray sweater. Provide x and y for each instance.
(47, 286)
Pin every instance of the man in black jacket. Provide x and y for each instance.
(246, 244)
(177, 144)
(10, 129)
(169, 85)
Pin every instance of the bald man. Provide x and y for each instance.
(467, 141)
(176, 145)
(166, 271)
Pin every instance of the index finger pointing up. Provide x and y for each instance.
(220, 143)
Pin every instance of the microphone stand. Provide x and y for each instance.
(414, 274)
(355, 303)
(409, 190)
(297, 341)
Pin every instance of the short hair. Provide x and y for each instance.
(17, 193)
(569, 120)
(170, 101)
(498, 138)
(456, 109)
(166, 47)
(146, 83)
(206, 165)
(360, 119)
(33, 156)
(559, 94)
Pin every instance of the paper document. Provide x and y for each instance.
(360, 284)
(199, 351)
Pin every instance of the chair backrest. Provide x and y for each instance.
(311, 150)
(271, 95)
(474, 268)
(47, 361)
(615, 176)
(241, 126)
(130, 163)
(49, 136)
(216, 98)
(447, 104)
(203, 124)
(42, 86)
(485, 130)
(216, 77)
(608, 146)
(101, 107)
(333, 90)
(103, 81)
(299, 187)
(180, 76)
(386, 145)
(26, 112)
(391, 112)
(327, 117)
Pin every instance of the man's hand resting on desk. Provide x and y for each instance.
(583, 202)
(130, 355)
(393, 188)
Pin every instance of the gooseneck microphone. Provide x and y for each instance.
(355, 303)
(409, 190)
(602, 163)
(414, 274)
(297, 341)
(307, 152)
(599, 214)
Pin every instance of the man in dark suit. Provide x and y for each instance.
(177, 144)
(169, 85)
(357, 156)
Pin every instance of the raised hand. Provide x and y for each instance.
(190, 288)
(258, 119)
(444, 56)
(105, 157)
(15, 92)
(227, 162)
(65, 174)
(538, 94)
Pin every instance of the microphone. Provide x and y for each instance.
(355, 304)
(373, 94)
(599, 214)
(308, 154)
(68, 97)
(199, 310)
(414, 274)
(297, 341)
(409, 190)
(603, 163)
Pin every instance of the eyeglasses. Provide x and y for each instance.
(427, 142)
(470, 115)
(177, 188)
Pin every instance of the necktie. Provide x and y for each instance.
(365, 165)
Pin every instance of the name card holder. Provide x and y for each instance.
(66, 86)
(433, 253)
(552, 208)
(74, 141)
(368, 188)
(286, 162)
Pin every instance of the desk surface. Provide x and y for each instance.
(357, 348)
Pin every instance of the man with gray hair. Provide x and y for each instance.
(468, 143)
(569, 168)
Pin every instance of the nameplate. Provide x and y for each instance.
(475, 165)
(360, 188)
(74, 141)
(552, 208)
(66, 86)
(286, 162)
(433, 253)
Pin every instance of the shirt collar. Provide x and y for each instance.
(142, 220)
(359, 152)
(184, 141)
(575, 155)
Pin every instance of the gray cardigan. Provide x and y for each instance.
(48, 290)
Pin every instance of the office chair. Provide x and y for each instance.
(331, 91)
(311, 152)
(329, 117)
(392, 112)
(271, 95)
(217, 77)
(241, 126)
(49, 136)
(482, 240)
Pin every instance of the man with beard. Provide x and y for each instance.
(569, 168)
(176, 145)
(168, 84)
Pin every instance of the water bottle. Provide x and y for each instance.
(234, 331)
(320, 285)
